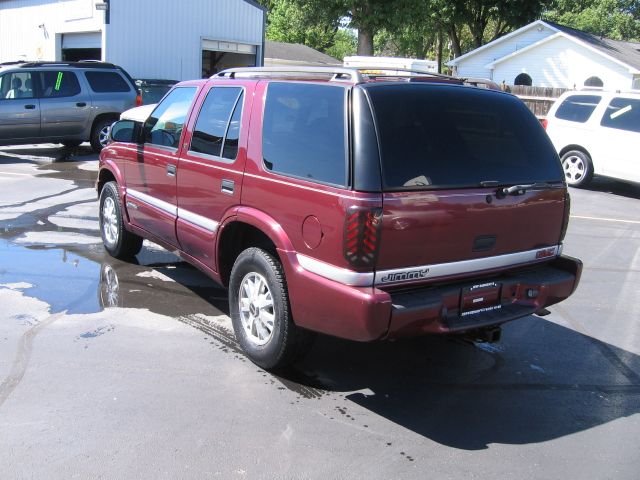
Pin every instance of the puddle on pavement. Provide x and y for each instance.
(86, 280)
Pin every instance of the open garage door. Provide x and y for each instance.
(217, 56)
(81, 46)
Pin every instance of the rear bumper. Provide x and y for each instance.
(370, 313)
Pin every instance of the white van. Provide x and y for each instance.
(596, 132)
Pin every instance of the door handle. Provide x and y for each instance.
(81, 104)
(30, 106)
(171, 170)
(227, 186)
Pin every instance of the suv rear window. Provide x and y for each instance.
(304, 132)
(101, 82)
(578, 108)
(623, 114)
(435, 136)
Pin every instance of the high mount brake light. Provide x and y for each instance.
(362, 236)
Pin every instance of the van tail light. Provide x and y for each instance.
(362, 230)
(544, 123)
(138, 99)
(567, 212)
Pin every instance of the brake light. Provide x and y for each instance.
(544, 123)
(138, 99)
(567, 212)
(362, 236)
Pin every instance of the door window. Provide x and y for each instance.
(164, 126)
(218, 125)
(16, 85)
(56, 83)
(623, 114)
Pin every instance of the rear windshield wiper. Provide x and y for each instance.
(521, 189)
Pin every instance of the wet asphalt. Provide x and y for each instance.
(119, 370)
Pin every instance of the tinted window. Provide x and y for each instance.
(304, 131)
(107, 82)
(577, 108)
(16, 85)
(213, 120)
(436, 136)
(164, 126)
(622, 113)
(59, 84)
(230, 149)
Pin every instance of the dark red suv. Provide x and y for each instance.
(364, 207)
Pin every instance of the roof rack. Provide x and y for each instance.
(338, 73)
(81, 63)
(353, 74)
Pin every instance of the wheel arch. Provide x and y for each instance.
(248, 228)
(571, 147)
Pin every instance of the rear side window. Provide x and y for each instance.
(304, 132)
(102, 82)
(217, 127)
(578, 108)
(164, 126)
(435, 136)
(623, 114)
(59, 84)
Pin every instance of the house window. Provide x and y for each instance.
(523, 79)
(593, 82)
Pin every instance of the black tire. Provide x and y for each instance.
(285, 342)
(72, 143)
(117, 240)
(98, 134)
(578, 168)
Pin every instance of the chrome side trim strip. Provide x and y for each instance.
(198, 220)
(159, 204)
(341, 275)
(426, 272)
(399, 275)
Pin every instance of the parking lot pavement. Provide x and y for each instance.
(130, 370)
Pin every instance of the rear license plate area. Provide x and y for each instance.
(480, 298)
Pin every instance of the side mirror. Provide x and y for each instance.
(125, 131)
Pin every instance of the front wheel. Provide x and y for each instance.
(117, 240)
(260, 312)
(578, 169)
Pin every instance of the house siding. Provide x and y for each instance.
(562, 63)
(475, 65)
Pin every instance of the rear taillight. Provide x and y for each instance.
(362, 236)
(567, 212)
(544, 123)
(138, 99)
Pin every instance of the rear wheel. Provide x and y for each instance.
(578, 169)
(117, 240)
(100, 134)
(260, 312)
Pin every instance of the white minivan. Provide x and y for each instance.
(596, 132)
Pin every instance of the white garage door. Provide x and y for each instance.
(82, 40)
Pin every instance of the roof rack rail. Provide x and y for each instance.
(80, 63)
(375, 68)
(339, 73)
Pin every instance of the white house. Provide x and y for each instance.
(149, 38)
(546, 54)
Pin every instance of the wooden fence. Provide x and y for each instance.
(538, 99)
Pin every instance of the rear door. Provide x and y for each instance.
(151, 177)
(65, 109)
(210, 171)
(447, 153)
(19, 107)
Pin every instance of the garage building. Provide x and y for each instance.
(150, 38)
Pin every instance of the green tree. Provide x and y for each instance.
(617, 19)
